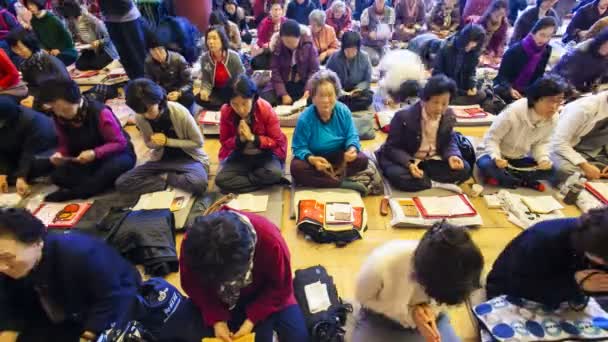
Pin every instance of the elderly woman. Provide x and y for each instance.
(409, 19)
(235, 266)
(323, 36)
(583, 18)
(444, 18)
(218, 65)
(529, 17)
(377, 27)
(355, 72)
(520, 137)
(339, 16)
(253, 147)
(293, 62)
(458, 59)
(218, 18)
(587, 65)
(525, 61)
(325, 142)
(421, 150)
(494, 22)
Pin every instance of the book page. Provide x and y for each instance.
(317, 297)
(250, 202)
(541, 204)
(445, 206)
(155, 200)
(601, 188)
(61, 214)
(10, 200)
(338, 213)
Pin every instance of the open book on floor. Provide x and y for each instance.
(254, 203)
(61, 215)
(599, 190)
(209, 122)
(424, 211)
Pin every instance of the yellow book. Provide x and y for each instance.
(246, 338)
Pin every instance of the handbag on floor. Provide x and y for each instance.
(323, 309)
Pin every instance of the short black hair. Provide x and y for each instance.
(407, 89)
(591, 235)
(437, 85)
(39, 3)
(59, 89)
(470, 33)
(548, 85)
(448, 264)
(351, 39)
(244, 87)
(598, 41)
(71, 9)
(142, 93)
(218, 17)
(22, 225)
(220, 32)
(152, 40)
(290, 28)
(24, 36)
(543, 23)
(218, 247)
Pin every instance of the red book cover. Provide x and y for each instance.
(596, 193)
(468, 212)
(61, 215)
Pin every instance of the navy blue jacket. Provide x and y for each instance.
(299, 12)
(539, 265)
(82, 275)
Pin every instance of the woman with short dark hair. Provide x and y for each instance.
(253, 147)
(399, 286)
(525, 61)
(568, 255)
(528, 18)
(420, 151)
(218, 65)
(53, 35)
(235, 266)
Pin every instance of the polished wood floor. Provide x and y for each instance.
(344, 263)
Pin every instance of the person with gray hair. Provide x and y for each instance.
(323, 36)
(339, 16)
(325, 143)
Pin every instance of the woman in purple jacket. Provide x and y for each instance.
(421, 150)
(294, 60)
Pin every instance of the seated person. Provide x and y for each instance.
(516, 6)
(339, 16)
(565, 255)
(294, 61)
(458, 59)
(475, 8)
(299, 10)
(59, 287)
(584, 18)
(235, 266)
(355, 72)
(253, 147)
(401, 73)
(377, 27)
(528, 18)
(170, 70)
(218, 65)
(593, 54)
(400, 289)
(93, 149)
(596, 28)
(525, 61)
(420, 151)
(10, 80)
(54, 37)
(270, 25)
(444, 18)
(237, 15)
(579, 142)
(325, 143)
(8, 22)
(323, 36)
(409, 19)
(168, 129)
(26, 135)
(37, 67)
(88, 29)
(494, 22)
(360, 6)
(426, 46)
(217, 18)
(520, 137)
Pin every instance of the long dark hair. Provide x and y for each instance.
(496, 5)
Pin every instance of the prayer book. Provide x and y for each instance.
(314, 212)
(253, 203)
(444, 207)
(469, 112)
(61, 215)
(599, 190)
(209, 122)
(155, 200)
(339, 213)
(541, 204)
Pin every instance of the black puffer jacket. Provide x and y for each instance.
(173, 75)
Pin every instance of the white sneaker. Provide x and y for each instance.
(446, 186)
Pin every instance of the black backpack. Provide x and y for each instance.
(179, 35)
(319, 234)
(466, 149)
(327, 325)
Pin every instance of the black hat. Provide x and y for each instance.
(290, 28)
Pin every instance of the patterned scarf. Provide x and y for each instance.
(35, 61)
(230, 291)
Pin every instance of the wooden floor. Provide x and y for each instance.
(344, 263)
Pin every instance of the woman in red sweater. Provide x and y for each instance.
(253, 146)
(235, 266)
(9, 77)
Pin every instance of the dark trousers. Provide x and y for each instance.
(510, 178)
(288, 323)
(242, 173)
(434, 170)
(40, 165)
(294, 89)
(217, 98)
(262, 61)
(306, 175)
(359, 101)
(92, 60)
(94, 178)
(40, 329)
(462, 99)
(187, 100)
(130, 43)
(67, 57)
